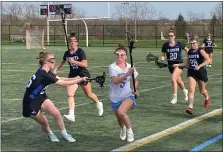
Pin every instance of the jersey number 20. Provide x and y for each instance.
(173, 56)
(31, 80)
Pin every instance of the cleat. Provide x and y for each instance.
(53, 138)
(123, 133)
(189, 111)
(70, 117)
(174, 100)
(100, 108)
(207, 102)
(69, 138)
(130, 136)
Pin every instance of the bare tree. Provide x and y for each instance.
(218, 11)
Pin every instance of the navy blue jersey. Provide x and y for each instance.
(78, 55)
(173, 53)
(208, 42)
(195, 58)
(38, 84)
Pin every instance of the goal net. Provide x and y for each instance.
(35, 39)
(162, 37)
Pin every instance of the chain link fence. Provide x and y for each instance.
(148, 36)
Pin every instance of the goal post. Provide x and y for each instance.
(34, 38)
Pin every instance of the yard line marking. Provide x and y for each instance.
(107, 98)
(206, 143)
(166, 132)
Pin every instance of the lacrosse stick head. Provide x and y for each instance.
(151, 57)
(161, 64)
(101, 79)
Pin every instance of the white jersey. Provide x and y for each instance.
(122, 90)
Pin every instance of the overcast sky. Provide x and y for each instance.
(169, 10)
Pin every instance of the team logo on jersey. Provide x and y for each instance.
(33, 112)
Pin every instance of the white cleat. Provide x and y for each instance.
(123, 133)
(53, 138)
(186, 95)
(69, 138)
(100, 108)
(174, 100)
(130, 136)
(70, 117)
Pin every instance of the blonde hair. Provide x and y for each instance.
(43, 56)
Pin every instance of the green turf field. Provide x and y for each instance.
(153, 112)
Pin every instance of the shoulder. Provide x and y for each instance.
(80, 50)
(66, 52)
(112, 66)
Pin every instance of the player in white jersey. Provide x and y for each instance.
(122, 97)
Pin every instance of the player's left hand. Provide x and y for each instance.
(196, 68)
(135, 93)
(71, 60)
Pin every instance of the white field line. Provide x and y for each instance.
(12, 119)
(166, 132)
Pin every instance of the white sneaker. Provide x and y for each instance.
(123, 133)
(69, 138)
(70, 117)
(100, 108)
(185, 95)
(53, 138)
(174, 100)
(130, 135)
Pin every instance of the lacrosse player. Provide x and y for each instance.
(78, 67)
(122, 97)
(173, 52)
(197, 60)
(208, 43)
(35, 100)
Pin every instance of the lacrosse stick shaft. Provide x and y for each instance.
(63, 17)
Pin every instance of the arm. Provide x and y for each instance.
(136, 83)
(59, 66)
(118, 79)
(186, 49)
(207, 59)
(67, 79)
(163, 53)
(214, 44)
(70, 82)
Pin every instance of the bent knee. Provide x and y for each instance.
(202, 91)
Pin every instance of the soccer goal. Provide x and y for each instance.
(162, 37)
(35, 38)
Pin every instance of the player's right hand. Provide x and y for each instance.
(175, 65)
(84, 79)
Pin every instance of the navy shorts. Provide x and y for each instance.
(81, 74)
(115, 105)
(33, 106)
(209, 50)
(200, 75)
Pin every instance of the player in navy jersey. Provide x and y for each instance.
(173, 50)
(76, 58)
(35, 100)
(197, 60)
(208, 43)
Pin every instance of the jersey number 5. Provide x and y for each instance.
(31, 80)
